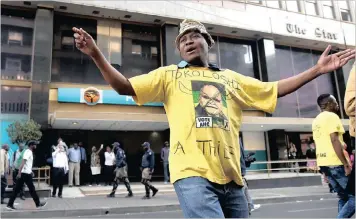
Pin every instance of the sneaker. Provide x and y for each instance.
(90, 185)
(59, 196)
(154, 192)
(23, 197)
(42, 205)
(255, 207)
(53, 196)
(11, 208)
(146, 197)
(111, 195)
(129, 195)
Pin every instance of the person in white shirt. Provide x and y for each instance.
(109, 166)
(60, 169)
(4, 169)
(26, 176)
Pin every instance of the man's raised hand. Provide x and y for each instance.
(84, 42)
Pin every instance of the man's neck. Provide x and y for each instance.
(199, 63)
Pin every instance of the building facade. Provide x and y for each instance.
(44, 77)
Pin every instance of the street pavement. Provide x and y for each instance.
(101, 205)
(300, 209)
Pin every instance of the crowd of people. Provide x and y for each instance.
(204, 109)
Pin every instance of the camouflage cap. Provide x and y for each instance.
(193, 25)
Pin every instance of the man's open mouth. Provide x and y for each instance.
(190, 50)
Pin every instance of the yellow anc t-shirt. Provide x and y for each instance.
(323, 125)
(204, 109)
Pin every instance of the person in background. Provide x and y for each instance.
(74, 157)
(164, 157)
(83, 164)
(26, 176)
(190, 168)
(60, 169)
(95, 165)
(328, 136)
(120, 171)
(251, 207)
(4, 169)
(292, 155)
(147, 168)
(349, 105)
(311, 155)
(109, 166)
(17, 160)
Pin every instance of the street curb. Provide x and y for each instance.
(139, 209)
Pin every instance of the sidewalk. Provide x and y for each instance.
(100, 205)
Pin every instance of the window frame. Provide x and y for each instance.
(9, 41)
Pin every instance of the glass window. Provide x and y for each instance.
(15, 100)
(292, 5)
(68, 63)
(140, 50)
(344, 10)
(328, 9)
(310, 7)
(273, 3)
(302, 103)
(16, 43)
(254, 1)
(236, 56)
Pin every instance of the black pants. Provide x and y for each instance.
(14, 179)
(95, 179)
(83, 173)
(58, 180)
(3, 187)
(108, 174)
(25, 178)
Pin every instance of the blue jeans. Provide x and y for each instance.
(200, 198)
(338, 180)
(166, 171)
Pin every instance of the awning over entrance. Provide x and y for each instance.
(125, 121)
(109, 121)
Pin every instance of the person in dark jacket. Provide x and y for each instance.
(147, 167)
(245, 164)
(120, 171)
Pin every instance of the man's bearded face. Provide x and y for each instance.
(211, 100)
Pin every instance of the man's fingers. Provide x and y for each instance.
(343, 52)
(327, 50)
(84, 33)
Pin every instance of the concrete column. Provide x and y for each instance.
(170, 53)
(41, 66)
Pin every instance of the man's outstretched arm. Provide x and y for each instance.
(326, 63)
(86, 44)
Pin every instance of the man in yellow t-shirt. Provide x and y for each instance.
(327, 134)
(204, 106)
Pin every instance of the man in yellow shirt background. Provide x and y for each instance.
(204, 106)
(328, 136)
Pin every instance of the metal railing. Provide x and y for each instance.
(269, 168)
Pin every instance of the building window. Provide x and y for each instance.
(15, 100)
(328, 9)
(140, 49)
(237, 56)
(68, 63)
(344, 10)
(302, 103)
(273, 4)
(15, 38)
(292, 5)
(254, 1)
(16, 44)
(13, 65)
(310, 7)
